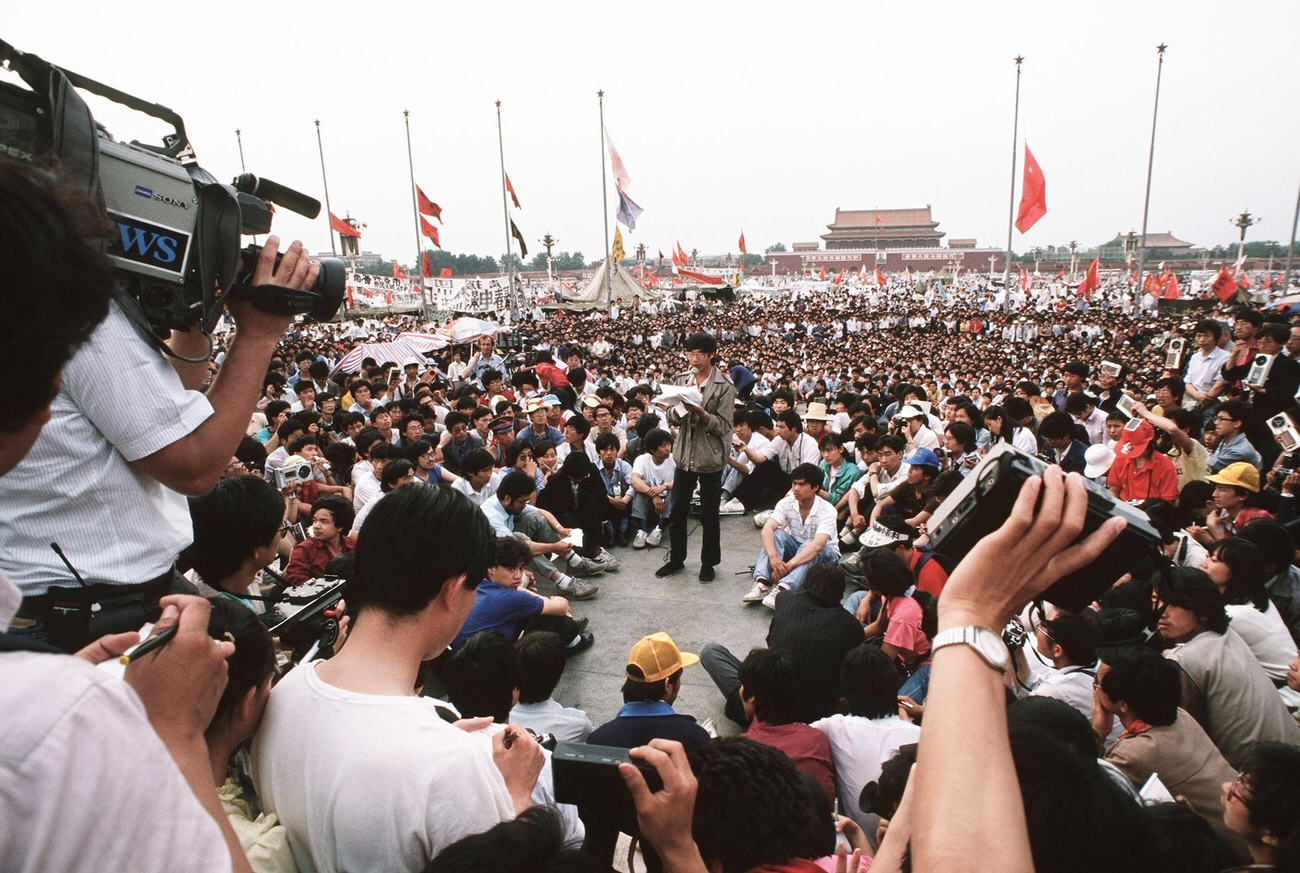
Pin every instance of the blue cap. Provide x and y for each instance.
(551, 400)
(922, 458)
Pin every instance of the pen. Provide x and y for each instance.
(906, 705)
(509, 738)
(146, 646)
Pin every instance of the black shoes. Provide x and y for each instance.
(706, 573)
(586, 640)
(669, 569)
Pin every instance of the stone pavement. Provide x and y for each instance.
(633, 603)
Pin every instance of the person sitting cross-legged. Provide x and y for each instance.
(799, 533)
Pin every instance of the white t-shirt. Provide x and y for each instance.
(85, 783)
(860, 747)
(821, 519)
(370, 781)
(757, 442)
(654, 474)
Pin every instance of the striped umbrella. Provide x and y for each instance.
(396, 351)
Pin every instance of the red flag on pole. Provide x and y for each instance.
(427, 206)
(397, 272)
(445, 273)
(681, 255)
(742, 243)
(880, 278)
(430, 231)
(1060, 274)
(425, 269)
(1091, 281)
(343, 227)
(1172, 291)
(511, 189)
(1033, 194)
(822, 276)
(1224, 286)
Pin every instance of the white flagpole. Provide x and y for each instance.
(1011, 210)
(604, 199)
(505, 209)
(1151, 156)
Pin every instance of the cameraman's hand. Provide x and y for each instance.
(296, 270)
(1291, 483)
(1029, 552)
(520, 764)
(180, 683)
(665, 816)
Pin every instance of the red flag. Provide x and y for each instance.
(1059, 275)
(822, 276)
(840, 276)
(880, 278)
(677, 262)
(427, 206)
(878, 220)
(397, 272)
(1172, 290)
(1091, 280)
(425, 269)
(1033, 194)
(742, 243)
(681, 255)
(1224, 287)
(430, 231)
(511, 189)
(445, 273)
(343, 227)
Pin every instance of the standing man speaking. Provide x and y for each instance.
(700, 453)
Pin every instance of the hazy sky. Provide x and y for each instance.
(759, 116)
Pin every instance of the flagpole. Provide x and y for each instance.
(415, 211)
(326, 182)
(604, 197)
(1290, 246)
(239, 139)
(1011, 210)
(1151, 156)
(505, 210)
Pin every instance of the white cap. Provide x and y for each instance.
(1098, 459)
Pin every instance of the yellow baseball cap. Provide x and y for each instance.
(656, 657)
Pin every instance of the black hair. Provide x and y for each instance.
(477, 460)
(1056, 425)
(752, 807)
(415, 449)
(654, 439)
(887, 572)
(240, 515)
(647, 692)
(963, 433)
(540, 659)
(1076, 633)
(56, 283)
(516, 484)
(393, 473)
(1279, 333)
(1272, 776)
(1017, 409)
(1076, 403)
(1210, 326)
(790, 419)
(606, 441)
(288, 428)
(1191, 589)
(455, 418)
(510, 552)
(580, 425)
(830, 440)
(869, 681)
(893, 441)
(1057, 718)
(297, 444)
(253, 660)
(826, 581)
(772, 678)
(531, 842)
(1185, 842)
(415, 540)
(337, 506)
(1148, 682)
(810, 474)
(892, 783)
(383, 450)
(480, 676)
(1246, 561)
(274, 408)
(1276, 547)
(703, 342)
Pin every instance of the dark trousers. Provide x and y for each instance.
(710, 499)
(763, 487)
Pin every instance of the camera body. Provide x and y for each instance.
(1174, 354)
(306, 614)
(1257, 375)
(175, 237)
(983, 501)
(587, 776)
(1112, 369)
(1284, 431)
(292, 472)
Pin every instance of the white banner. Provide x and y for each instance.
(363, 291)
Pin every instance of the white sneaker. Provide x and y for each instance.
(732, 507)
(757, 593)
(639, 541)
(760, 518)
(770, 600)
(607, 561)
(654, 537)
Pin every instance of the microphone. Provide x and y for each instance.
(693, 371)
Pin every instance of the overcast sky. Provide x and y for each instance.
(761, 116)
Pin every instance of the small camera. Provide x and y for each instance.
(1257, 375)
(587, 776)
(1112, 369)
(1174, 354)
(291, 473)
(1014, 634)
(1284, 431)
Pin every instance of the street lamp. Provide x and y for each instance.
(1073, 245)
(1241, 222)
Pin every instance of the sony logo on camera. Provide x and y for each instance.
(141, 242)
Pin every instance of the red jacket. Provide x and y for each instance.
(309, 558)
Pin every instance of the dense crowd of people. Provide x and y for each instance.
(907, 710)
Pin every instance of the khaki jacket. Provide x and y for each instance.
(702, 446)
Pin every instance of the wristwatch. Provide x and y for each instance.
(988, 643)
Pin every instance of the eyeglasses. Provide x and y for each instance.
(1234, 790)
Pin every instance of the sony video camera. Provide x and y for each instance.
(306, 614)
(175, 240)
(983, 501)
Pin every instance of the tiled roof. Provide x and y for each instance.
(846, 219)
